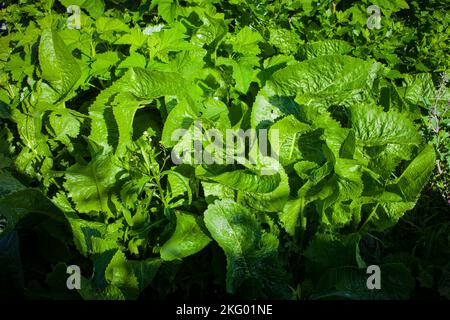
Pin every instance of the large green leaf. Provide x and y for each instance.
(251, 254)
(213, 29)
(187, 239)
(290, 215)
(349, 178)
(402, 193)
(216, 191)
(416, 175)
(345, 188)
(89, 185)
(419, 87)
(273, 201)
(180, 118)
(113, 111)
(92, 237)
(287, 130)
(333, 132)
(244, 180)
(63, 126)
(286, 41)
(330, 79)
(269, 106)
(124, 109)
(59, 67)
(373, 127)
(383, 138)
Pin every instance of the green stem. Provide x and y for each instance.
(157, 178)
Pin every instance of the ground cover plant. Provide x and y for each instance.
(101, 106)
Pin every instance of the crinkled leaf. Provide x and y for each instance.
(251, 254)
(92, 237)
(373, 127)
(325, 47)
(244, 180)
(331, 79)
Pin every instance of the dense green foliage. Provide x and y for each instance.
(88, 115)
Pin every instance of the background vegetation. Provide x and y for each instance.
(85, 170)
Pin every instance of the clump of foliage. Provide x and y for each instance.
(438, 122)
(87, 118)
